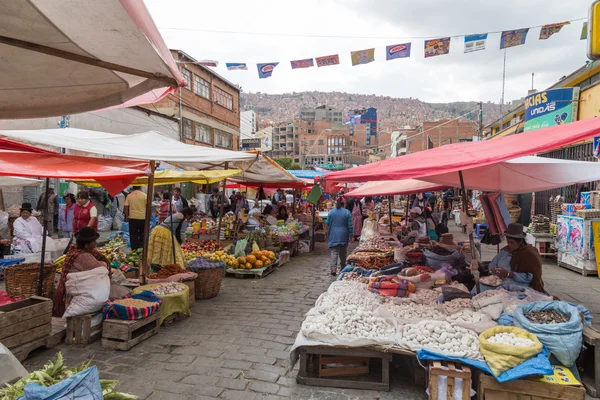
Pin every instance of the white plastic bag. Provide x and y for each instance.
(11, 367)
(118, 220)
(104, 223)
(90, 290)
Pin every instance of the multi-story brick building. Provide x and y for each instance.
(440, 133)
(209, 106)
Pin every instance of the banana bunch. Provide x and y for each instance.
(54, 372)
(59, 263)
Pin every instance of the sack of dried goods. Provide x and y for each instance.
(505, 347)
(557, 325)
(134, 307)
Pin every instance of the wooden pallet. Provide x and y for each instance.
(590, 377)
(81, 331)
(25, 321)
(266, 272)
(490, 389)
(53, 339)
(452, 371)
(338, 366)
(123, 335)
(310, 372)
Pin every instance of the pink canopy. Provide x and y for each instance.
(389, 188)
(70, 56)
(463, 156)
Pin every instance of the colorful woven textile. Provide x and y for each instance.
(120, 311)
(391, 286)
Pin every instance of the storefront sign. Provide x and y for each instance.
(251, 143)
(550, 108)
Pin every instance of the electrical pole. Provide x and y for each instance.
(480, 120)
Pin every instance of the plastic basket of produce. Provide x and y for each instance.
(134, 307)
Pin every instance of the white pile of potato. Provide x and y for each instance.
(456, 305)
(329, 302)
(441, 337)
(468, 316)
(426, 296)
(412, 312)
(349, 320)
(511, 339)
(347, 286)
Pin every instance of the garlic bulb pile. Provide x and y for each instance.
(456, 305)
(426, 296)
(412, 312)
(350, 321)
(511, 339)
(346, 286)
(441, 337)
(168, 288)
(329, 302)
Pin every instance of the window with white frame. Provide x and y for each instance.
(188, 131)
(188, 77)
(223, 98)
(223, 139)
(203, 134)
(201, 87)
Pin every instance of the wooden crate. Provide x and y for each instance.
(590, 377)
(490, 389)
(81, 331)
(311, 368)
(333, 366)
(54, 339)
(191, 283)
(25, 321)
(452, 371)
(123, 335)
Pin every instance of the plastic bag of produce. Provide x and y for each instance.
(491, 302)
(84, 385)
(369, 230)
(90, 290)
(564, 340)
(240, 248)
(436, 261)
(501, 357)
(104, 223)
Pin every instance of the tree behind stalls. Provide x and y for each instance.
(288, 163)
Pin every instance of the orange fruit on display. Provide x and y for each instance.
(264, 259)
(242, 260)
(258, 264)
(251, 259)
(248, 266)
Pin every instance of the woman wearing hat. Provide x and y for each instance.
(419, 224)
(82, 257)
(518, 263)
(28, 232)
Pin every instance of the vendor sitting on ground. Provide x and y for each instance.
(160, 245)
(518, 264)
(82, 257)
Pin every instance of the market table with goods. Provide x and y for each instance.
(423, 307)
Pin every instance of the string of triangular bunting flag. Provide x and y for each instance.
(433, 48)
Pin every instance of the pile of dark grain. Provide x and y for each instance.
(547, 317)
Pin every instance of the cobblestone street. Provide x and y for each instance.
(236, 346)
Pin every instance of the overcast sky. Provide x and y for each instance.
(452, 77)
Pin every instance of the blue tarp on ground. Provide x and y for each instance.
(538, 365)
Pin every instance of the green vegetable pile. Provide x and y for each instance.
(54, 372)
(134, 257)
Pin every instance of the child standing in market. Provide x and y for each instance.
(339, 222)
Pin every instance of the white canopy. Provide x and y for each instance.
(146, 146)
(388, 188)
(521, 175)
(71, 56)
(8, 181)
(267, 171)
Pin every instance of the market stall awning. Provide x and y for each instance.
(268, 173)
(463, 156)
(150, 145)
(113, 175)
(170, 177)
(305, 173)
(523, 175)
(71, 56)
(8, 181)
(390, 188)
